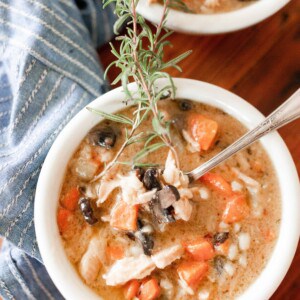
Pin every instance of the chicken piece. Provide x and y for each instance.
(93, 258)
(106, 187)
(132, 187)
(145, 197)
(250, 182)
(172, 175)
(183, 209)
(129, 268)
(165, 257)
(133, 190)
(192, 146)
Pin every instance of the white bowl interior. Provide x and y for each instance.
(212, 23)
(53, 171)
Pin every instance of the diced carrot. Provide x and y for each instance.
(218, 183)
(223, 248)
(63, 219)
(203, 130)
(70, 199)
(114, 252)
(124, 216)
(192, 272)
(149, 289)
(199, 249)
(236, 209)
(131, 289)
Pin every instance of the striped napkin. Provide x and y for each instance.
(49, 70)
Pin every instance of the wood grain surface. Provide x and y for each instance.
(262, 65)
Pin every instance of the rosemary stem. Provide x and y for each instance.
(166, 138)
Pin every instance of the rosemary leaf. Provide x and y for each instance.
(176, 60)
(113, 117)
(144, 152)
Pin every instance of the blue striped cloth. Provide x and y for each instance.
(49, 70)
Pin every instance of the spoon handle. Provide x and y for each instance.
(284, 114)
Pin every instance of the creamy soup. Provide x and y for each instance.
(209, 6)
(147, 233)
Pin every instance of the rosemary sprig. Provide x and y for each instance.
(141, 60)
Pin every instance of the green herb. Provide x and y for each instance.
(141, 60)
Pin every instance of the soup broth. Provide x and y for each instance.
(210, 6)
(213, 239)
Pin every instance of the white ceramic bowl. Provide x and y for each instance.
(212, 23)
(53, 171)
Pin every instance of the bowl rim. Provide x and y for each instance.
(50, 180)
(212, 23)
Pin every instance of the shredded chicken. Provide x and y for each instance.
(165, 257)
(183, 209)
(93, 258)
(185, 193)
(192, 145)
(133, 190)
(145, 197)
(129, 268)
(105, 188)
(246, 179)
(172, 175)
(131, 187)
(254, 189)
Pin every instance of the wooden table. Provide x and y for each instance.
(262, 65)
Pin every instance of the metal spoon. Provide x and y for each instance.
(284, 114)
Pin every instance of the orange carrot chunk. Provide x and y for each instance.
(236, 209)
(124, 216)
(192, 272)
(131, 289)
(217, 183)
(70, 199)
(203, 130)
(114, 252)
(223, 248)
(149, 290)
(63, 219)
(200, 249)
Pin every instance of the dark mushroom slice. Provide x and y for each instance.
(151, 180)
(104, 137)
(219, 262)
(220, 238)
(185, 105)
(87, 210)
(167, 196)
(160, 214)
(145, 238)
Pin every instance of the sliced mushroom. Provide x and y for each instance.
(104, 137)
(167, 196)
(185, 105)
(87, 210)
(161, 215)
(219, 262)
(144, 237)
(151, 180)
(220, 238)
